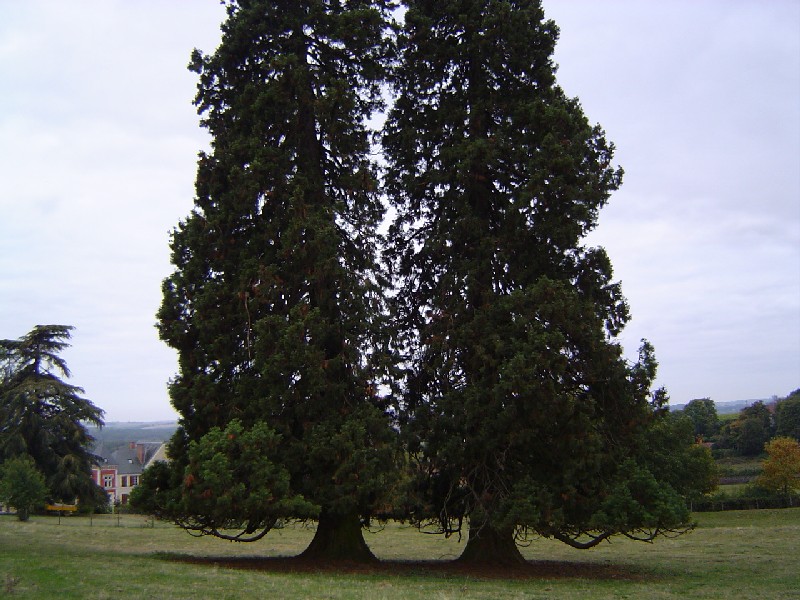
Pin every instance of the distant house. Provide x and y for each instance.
(119, 472)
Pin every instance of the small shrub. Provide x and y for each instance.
(22, 486)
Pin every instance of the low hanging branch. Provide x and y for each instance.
(594, 540)
(639, 535)
(199, 530)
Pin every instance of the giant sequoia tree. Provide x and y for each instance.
(519, 410)
(274, 304)
(44, 417)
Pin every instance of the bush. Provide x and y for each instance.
(753, 497)
(721, 453)
(22, 486)
(782, 467)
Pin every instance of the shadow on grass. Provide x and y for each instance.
(424, 568)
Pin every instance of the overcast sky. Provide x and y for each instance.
(99, 138)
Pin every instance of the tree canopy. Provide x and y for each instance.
(787, 416)
(44, 417)
(518, 408)
(275, 307)
(22, 485)
(672, 452)
(782, 466)
(752, 429)
(703, 414)
(495, 358)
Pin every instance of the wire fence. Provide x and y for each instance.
(106, 520)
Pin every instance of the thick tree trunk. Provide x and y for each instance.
(489, 546)
(339, 537)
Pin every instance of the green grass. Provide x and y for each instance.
(736, 466)
(724, 417)
(747, 554)
(733, 490)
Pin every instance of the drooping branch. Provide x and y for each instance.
(199, 530)
(638, 535)
(591, 543)
(648, 535)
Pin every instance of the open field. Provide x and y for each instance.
(733, 490)
(748, 554)
(736, 466)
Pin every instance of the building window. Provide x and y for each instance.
(108, 481)
(134, 480)
(124, 481)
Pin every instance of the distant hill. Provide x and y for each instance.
(113, 436)
(159, 431)
(728, 408)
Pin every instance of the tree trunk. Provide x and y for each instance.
(339, 537)
(489, 546)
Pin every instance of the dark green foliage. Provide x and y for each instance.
(638, 499)
(231, 482)
(671, 453)
(22, 485)
(703, 414)
(787, 416)
(759, 412)
(750, 436)
(275, 306)
(43, 417)
(518, 407)
(757, 424)
(750, 431)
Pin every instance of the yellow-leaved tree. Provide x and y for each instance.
(782, 466)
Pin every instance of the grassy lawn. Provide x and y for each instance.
(733, 490)
(747, 554)
(735, 466)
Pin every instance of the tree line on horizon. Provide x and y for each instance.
(754, 426)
